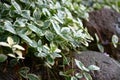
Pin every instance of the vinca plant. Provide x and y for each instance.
(83, 74)
(47, 26)
(47, 29)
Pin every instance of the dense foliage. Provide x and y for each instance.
(47, 29)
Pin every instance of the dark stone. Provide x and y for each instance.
(109, 68)
(105, 23)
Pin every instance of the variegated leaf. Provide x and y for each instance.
(4, 44)
(11, 55)
(10, 41)
(18, 47)
(19, 53)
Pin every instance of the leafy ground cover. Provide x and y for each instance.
(45, 31)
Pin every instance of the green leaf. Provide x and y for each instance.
(48, 65)
(37, 14)
(49, 35)
(33, 77)
(87, 76)
(50, 60)
(35, 29)
(46, 49)
(65, 75)
(56, 27)
(12, 13)
(52, 47)
(80, 65)
(97, 38)
(115, 40)
(100, 47)
(58, 19)
(20, 22)
(26, 38)
(9, 27)
(12, 55)
(25, 1)
(69, 14)
(80, 23)
(57, 5)
(16, 6)
(56, 55)
(61, 73)
(79, 75)
(85, 43)
(24, 71)
(10, 41)
(33, 44)
(73, 78)
(65, 30)
(26, 14)
(65, 59)
(46, 24)
(39, 43)
(2, 57)
(4, 44)
(41, 54)
(19, 54)
(69, 71)
(93, 67)
(46, 12)
(18, 47)
(85, 16)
